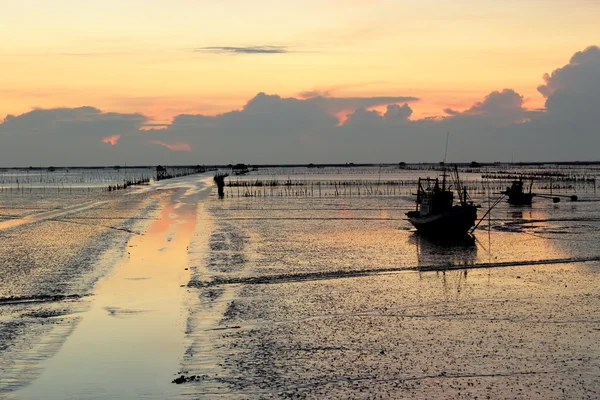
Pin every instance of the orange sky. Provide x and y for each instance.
(140, 56)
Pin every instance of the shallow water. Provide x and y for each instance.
(51, 264)
(133, 334)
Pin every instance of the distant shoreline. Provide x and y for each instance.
(312, 165)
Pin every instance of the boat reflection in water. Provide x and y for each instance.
(446, 259)
(436, 253)
(515, 214)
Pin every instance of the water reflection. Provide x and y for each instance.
(520, 214)
(515, 214)
(453, 282)
(451, 252)
(457, 250)
(519, 206)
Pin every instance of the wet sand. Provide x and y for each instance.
(304, 297)
(331, 298)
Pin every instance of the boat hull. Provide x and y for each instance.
(521, 199)
(456, 221)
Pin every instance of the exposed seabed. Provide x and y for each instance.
(297, 297)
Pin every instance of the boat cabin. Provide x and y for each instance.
(433, 198)
(515, 188)
(516, 194)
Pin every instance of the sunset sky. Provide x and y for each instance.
(164, 58)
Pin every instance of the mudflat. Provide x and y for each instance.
(295, 291)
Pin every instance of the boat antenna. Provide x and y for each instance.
(444, 163)
(446, 151)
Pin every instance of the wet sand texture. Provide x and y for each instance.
(296, 295)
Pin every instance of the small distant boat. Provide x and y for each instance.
(435, 213)
(517, 196)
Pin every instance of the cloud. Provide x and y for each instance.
(329, 91)
(70, 121)
(243, 50)
(573, 91)
(394, 114)
(398, 113)
(506, 101)
(583, 70)
(71, 136)
(322, 128)
(326, 110)
(450, 111)
(334, 105)
(362, 116)
(178, 146)
(112, 140)
(315, 93)
(499, 108)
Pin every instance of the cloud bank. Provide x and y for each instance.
(319, 128)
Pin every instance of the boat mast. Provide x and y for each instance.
(460, 189)
(444, 163)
